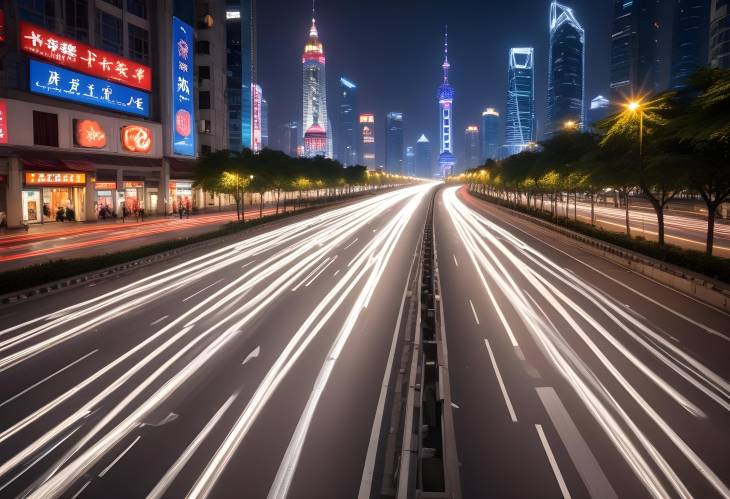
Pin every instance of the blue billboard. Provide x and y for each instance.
(47, 79)
(183, 112)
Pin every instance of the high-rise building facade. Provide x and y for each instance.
(346, 129)
(690, 36)
(210, 57)
(409, 164)
(634, 68)
(367, 141)
(264, 123)
(472, 155)
(566, 69)
(720, 34)
(600, 108)
(241, 70)
(520, 119)
(394, 143)
(447, 160)
(424, 157)
(258, 107)
(314, 91)
(489, 134)
(288, 141)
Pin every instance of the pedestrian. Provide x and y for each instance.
(180, 210)
(124, 211)
(187, 209)
(59, 214)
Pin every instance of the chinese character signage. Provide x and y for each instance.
(51, 179)
(84, 58)
(136, 138)
(89, 133)
(64, 84)
(105, 186)
(183, 130)
(3, 122)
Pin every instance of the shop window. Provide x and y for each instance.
(204, 100)
(204, 126)
(139, 46)
(76, 19)
(109, 32)
(45, 129)
(138, 8)
(203, 73)
(202, 47)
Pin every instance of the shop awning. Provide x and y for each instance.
(72, 161)
(79, 165)
(181, 168)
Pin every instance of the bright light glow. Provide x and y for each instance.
(633, 106)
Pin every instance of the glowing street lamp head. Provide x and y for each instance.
(569, 125)
(633, 106)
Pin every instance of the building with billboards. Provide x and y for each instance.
(367, 140)
(102, 116)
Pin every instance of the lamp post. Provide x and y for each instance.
(243, 201)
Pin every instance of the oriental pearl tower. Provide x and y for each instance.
(446, 99)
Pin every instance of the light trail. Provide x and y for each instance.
(488, 245)
(284, 257)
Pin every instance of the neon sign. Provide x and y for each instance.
(62, 83)
(84, 58)
(3, 122)
(136, 138)
(42, 178)
(90, 134)
(183, 133)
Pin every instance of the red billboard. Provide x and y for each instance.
(83, 58)
(3, 122)
(89, 134)
(136, 138)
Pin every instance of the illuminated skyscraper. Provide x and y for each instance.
(394, 143)
(490, 134)
(566, 66)
(367, 141)
(634, 54)
(264, 123)
(471, 148)
(409, 164)
(446, 116)
(314, 91)
(346, 129)
(241, 69)
(424, 158)
(520, 122)
(689, 39)
(258, 98)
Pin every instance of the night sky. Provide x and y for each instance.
(393, 50)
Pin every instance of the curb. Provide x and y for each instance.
(701, 287)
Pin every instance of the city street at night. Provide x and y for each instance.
(328, 249)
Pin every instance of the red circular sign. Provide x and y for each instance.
(182, 122)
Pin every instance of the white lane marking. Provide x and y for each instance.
(336, 272)
(512, 414)
(314, 277)
(473, 310)
(585, 462)
(19, 394)
(120, 456)
(181, 461)
(204, 289)
(247, 264)
(159, 320)
(368, 472)
(50, 449)
(254, 353)
(353, 242)
(77, 494)
(553, 462)
(455, 261)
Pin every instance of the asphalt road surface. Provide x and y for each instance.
(254, 369)
(574, 376)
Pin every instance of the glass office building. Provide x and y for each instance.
(520, 116)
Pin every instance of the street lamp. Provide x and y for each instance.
(637, 107)
(570, 125)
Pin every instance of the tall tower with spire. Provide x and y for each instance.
(315, 123)
(447, 161)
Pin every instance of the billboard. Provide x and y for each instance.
(60, 83)
(83, 58)
(183, 112)
(89, 134)
(136, 138)
(53, 179)
(3, 122)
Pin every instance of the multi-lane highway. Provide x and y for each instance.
(256, 369)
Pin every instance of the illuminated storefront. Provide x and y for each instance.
(181, 194)
(53, 196)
